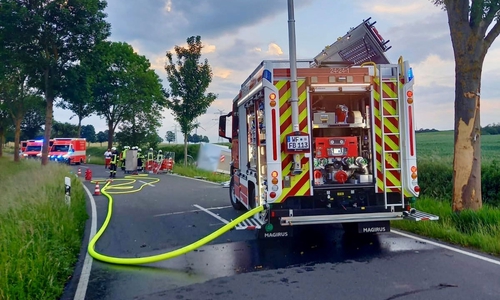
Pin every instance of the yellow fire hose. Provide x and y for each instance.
(127, 187)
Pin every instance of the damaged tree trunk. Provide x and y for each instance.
(467, 154)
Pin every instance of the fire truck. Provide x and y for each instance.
(339, 149)
(69, 150)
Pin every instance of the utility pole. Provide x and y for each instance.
(175, 133)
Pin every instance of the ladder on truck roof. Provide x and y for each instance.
(360, 44)
(389, 111)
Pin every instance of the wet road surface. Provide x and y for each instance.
(318, 263)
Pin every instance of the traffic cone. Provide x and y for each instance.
(97, 190)
(79, 172)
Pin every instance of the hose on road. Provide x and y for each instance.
(126, 187)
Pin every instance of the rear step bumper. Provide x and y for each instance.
(348, 218)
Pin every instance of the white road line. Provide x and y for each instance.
(190, 211)
(211, 182)
(212, 214)
(487, 259)
(81, 290)
(146, 183)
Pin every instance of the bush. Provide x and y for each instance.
(436, 180)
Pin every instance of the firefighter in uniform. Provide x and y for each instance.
(124, 156)
(113, 162)
(140, 159)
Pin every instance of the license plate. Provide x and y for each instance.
(297, 142)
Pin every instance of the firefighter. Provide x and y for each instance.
(140, 158)
(159, 157)
(113, 162)
(124, 157)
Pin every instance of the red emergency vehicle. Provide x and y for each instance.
(69, 150)
(23, 145)
(33, 149)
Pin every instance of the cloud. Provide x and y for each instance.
(274, 49)
(435, 72)
(163, 23)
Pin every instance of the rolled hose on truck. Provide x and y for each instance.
(127, 188)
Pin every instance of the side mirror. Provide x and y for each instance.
(222, 126)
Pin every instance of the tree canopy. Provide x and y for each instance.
(48, 36)
(188, 79)
(124, 85)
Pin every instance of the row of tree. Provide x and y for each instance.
(56, 52)
(195, 138)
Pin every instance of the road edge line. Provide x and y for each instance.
(83, 282)
(216, 183)
(483, 258)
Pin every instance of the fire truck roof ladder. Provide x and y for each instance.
(361, 44)
(389, 111)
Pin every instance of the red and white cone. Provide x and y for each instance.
(79, 172)
(97, 190)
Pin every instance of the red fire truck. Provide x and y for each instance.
(339, 149)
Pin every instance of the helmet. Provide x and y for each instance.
(139, 150)
(113, 149)
(127, 147)
(150, 149)
(159, 151)
(134, 148)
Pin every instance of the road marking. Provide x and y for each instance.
(216, 183)
(486, 259)
(147, 183)
(81, 290)
(212, 214)
(190, 211)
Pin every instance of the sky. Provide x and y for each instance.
(239, 34)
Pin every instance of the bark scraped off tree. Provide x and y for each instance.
(467, 187)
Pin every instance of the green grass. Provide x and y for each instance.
(191, 171)
(40, 235)
(478, 230)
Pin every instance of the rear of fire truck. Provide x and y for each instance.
(351, 159)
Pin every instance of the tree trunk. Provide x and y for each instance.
(17, 137)
(49, 98)
(185, 149)
(110, 134)
(467, 154)
(79, 131)
(2, 135)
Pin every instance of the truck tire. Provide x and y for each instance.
(232, 197)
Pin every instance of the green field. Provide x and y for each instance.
(439, 146)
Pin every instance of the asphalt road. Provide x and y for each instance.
(318, 263)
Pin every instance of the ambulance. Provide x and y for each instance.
(340, 148)
(33, 149)
(69, 150)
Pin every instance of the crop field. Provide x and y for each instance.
(439, 146)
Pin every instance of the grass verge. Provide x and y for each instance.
(478, 230)
(193, 172)
(40, 234)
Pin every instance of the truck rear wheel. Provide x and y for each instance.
(232, 196)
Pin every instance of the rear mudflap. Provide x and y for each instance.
(272, 231)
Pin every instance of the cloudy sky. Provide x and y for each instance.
(239, 34)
